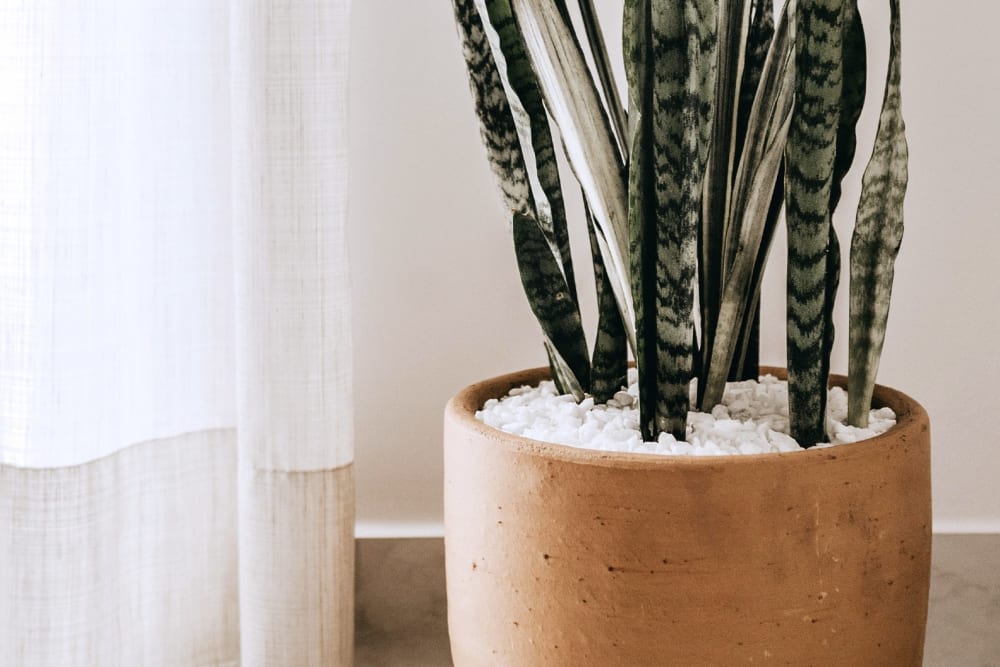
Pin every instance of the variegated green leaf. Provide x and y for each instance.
(685, 40)
(599, 51)
(742, 290)
(746, 363)
(748, 343)
(753, 211)
(551, 302)
(638, 50)
(734, 21)
(609, 364)
(562, 375)
(758, 43)
(812, 257)
(503, 140)
(768, 110)
(496, 121)
(533, 128)
(573, 101)
(852, 97)
(878, 233)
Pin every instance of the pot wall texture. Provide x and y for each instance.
(438, 304)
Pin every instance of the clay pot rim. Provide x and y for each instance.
(911, 418)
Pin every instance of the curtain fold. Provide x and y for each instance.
(289, 64)
(176, 443)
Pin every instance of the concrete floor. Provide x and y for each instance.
(963, 628)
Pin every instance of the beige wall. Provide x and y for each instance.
(437, 302)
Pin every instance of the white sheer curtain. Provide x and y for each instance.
(175, 416)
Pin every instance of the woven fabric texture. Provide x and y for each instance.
(176, 437)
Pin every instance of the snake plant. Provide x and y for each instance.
(733, 116)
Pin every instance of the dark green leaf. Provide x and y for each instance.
(734, 19)
(526, 102)
(685, 40)
(554, 307)
(609, 364)
(809, 167)
(637, 45)
(759, 37)
(852, 100)
(496, 121)
(746, 363)
(503, 140)
(595, 37)
(754, 211)
(852, 97)
(573, 101)
(878, 233)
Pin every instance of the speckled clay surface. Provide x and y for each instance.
(563, 556)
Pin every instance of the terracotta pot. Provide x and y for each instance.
(564, 556)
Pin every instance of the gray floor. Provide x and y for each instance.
(401, 617)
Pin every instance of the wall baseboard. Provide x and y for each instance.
(392, 529)
(967, 526)
(400, 529)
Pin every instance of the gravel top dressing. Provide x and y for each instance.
(752, 419)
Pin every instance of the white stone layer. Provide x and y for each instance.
(752, 419)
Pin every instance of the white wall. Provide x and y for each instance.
(438, 304)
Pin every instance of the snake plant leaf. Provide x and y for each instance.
(758, 43)
(809, 165)
(746, 363)
(754, 213)
(502, 138)
(770, 107)
(533, 127)
(637, 43)
(551, 302)
(562, 375)
(572, 99)
(496, 121)
(599, 51)
(852, 101)
(734, 21)
(748, 344)
(852, 97)
(742, 290)
(609, 363)
(854, 73)
(685, 38)
(878, 233)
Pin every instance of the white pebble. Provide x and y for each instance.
(623, 398)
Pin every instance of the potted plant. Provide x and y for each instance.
(568, 555)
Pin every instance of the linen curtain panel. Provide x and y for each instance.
(175, 409)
